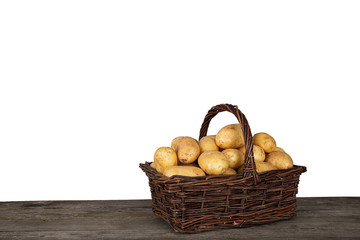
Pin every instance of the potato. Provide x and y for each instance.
(153, 165)
(229, 171)
(159, 169)
(280, 160)
(187, 149)
(235, 158)
(213, 162)
(207, 143)
(241, 169)
(265, 141)
(262, 167)
(189, 171)
(212, 136)
(259, 154)
(194, 164)
(279, 149)
(242, 149)
(230, 136)
(175, 141)
(164, 157)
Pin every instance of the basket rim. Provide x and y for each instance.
(177, 178)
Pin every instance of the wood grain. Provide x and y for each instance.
(317, 218)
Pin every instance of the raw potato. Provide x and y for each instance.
(280, 160)
(259, 154)
(207, 143)
(229, 171)
(262, 167)
(265, 141)
(230, 136)
(153, 165)
(212, 136)
(279, 149)
(194, 164)
(213, 162)
(187, 149)
(242, 149)
(189, 171)
(164, 157)
(235, 158)
(175, 141)
(241, 169)
(159, 169)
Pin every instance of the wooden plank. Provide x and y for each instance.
(318, 218)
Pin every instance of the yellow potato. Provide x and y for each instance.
(265, 141)
(235, 158)
(259, 154)
(212, 136)
(187, 149)
(183, 171)
(242, 149)
(229, 171)
(194, 164)
(230, 136)
(213, 162)
(207, 143)
(153, 165)
(159, 168)
(279, 149)
(262, 167)
(241, 169)
(164, 157)
(280, 160)
(175, 141)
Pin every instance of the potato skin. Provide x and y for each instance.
(262, 167)
(187, 149)
(153, 165)
(280, 160)
(207, 143)
(234, 157)
(265, 141)
(259, 154)
(229, 171)
(242, 149)
(194, 164)
(230, 136)
(164, 157)
(279, 149)
(189, 171)
(213, 162)
(175, 141)
(241, 169)
(211, 136)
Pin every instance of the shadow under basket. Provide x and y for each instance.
(196, 204)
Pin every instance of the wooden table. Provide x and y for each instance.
(318, 218)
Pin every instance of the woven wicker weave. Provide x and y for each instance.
(195, 204)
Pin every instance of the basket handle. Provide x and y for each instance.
(249, 164)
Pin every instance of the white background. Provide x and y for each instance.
(90, 89)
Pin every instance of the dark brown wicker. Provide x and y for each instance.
(195, 204)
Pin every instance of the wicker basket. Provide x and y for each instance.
(195, 204)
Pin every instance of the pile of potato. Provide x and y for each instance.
(220, 154)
